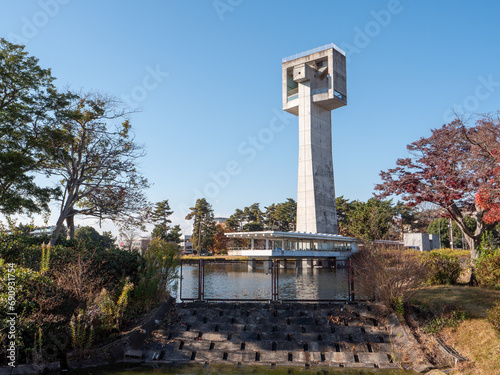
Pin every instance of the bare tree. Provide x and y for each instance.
(132, 227)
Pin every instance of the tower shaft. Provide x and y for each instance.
(316, 210)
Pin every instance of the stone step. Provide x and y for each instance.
(322, 321)
(348, 359)
(268, 345)
(284, 334)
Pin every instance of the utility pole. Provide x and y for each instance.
(439, 223)
(451, 233)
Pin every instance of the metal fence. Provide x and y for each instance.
(272, 269)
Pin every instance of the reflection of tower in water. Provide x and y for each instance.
(313, 283)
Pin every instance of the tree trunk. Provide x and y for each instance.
(70, 222)
(199, 236)
(57, 230)
(473, 243)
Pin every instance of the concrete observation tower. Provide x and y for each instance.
(314, 84)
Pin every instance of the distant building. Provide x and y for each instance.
(138, 244)
(38, 231)
(186, 245)
(388, 244)
(41, 231)
(220, 220)
(421, 241)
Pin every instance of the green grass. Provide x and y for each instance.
(473, 301)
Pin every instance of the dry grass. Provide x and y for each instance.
(477, 341)
(474, 338)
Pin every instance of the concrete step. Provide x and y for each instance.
(284, 334)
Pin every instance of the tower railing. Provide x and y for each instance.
(314, 50)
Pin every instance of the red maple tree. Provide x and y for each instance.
(456, 168)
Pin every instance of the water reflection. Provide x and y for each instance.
(236, 280)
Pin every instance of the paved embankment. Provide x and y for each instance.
(274, 334)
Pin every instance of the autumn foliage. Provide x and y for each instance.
(456, 168)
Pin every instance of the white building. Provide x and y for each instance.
(422, 241)
(186, 244)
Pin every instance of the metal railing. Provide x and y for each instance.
(338, 249)
(318, 49)
(275, 290)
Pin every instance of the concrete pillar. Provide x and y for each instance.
(267, 264)
(298, 263)
(251, 264)
(307, 263)
(252, 241)
(267, 243)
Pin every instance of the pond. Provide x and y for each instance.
(236, 280)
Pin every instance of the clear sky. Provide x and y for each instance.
(207, 75)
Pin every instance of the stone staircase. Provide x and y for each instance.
(273, 334)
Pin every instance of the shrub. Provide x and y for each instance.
(110, 312)
(389, 276)
(398, 306)
(494, 316)
(444, 267)
(160, 268)
(82, 333)
(39, 305)
(54, 284)
(452, 319)
(488, 270)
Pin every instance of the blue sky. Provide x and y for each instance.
(207, 76)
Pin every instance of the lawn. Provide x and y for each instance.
(473, 301)
(475, 337)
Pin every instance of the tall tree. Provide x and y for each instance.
(93, 239)
(250, 219)
(253, 214)
(161, 217)
(235, 222)
(344, 207)
(281, 216)
(28, 101)
(174, 234)
(203, 226)
(220, 242)
(371, 220)
(455, 168)
(96, 163)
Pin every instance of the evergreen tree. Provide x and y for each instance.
(203, 226)
(28, 102)
(161, 218)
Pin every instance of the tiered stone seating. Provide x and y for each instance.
(276, 334)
